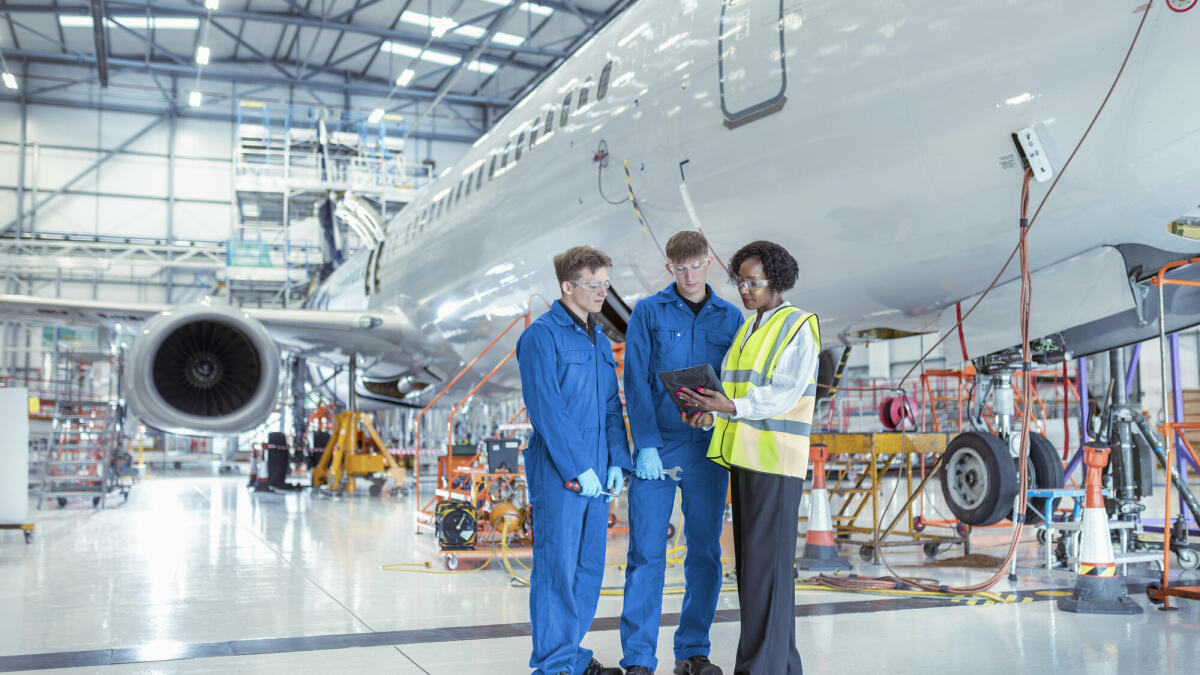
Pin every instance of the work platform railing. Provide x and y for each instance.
(425, 514)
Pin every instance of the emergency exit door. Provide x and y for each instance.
(751, 67)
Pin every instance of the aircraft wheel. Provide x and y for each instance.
(978, 478)
(1045, 472)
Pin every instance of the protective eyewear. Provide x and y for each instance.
(750, 283)
(695, 267)
(593, 286)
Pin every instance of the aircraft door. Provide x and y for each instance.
(750, 64)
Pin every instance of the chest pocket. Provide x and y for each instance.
(718, 345)
(672, 348)
(576, 356)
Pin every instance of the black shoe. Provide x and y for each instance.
(597, 668)
(638, 670)
(696, 665)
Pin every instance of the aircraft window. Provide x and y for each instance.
(458, 193)
(566, 111)
(367, 273)
(504, 157)
(602, 88)
(479, 183)
(520, 142)
(470, 179)
(441, 206)
(378, 260)
(492, 170)
(582, 96)
(533, 133)
(549, 122)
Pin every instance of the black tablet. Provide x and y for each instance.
(689, 378)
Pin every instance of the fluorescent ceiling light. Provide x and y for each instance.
(202, 55)
(376, 115)
(425, 55)
(405, 77)
(10, 80)
(212, 5)
(531, 7)
(134, 22)
(441, 58)
(194, 99)
(440, 25)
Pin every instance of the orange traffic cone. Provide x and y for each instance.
(1098, 589)
(820, 550)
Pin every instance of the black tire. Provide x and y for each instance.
(931, 549)
(1156, 586)
(1045, 473)
(867, 553)
(979, 479)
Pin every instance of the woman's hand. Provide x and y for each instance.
(707, 399)
(700, 420)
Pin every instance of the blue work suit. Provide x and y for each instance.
(664, 334)
(569, 383)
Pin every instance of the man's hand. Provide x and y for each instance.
(649, 465)
(589, 484)
(616, 481)
(707, 399)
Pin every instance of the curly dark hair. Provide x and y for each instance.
(779, 265)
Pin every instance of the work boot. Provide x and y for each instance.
(597, 668)
(696, 665)
(638, 670)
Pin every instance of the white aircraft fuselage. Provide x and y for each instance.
(873, 140)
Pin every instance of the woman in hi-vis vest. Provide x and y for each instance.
(761, 429)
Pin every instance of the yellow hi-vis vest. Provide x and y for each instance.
(778, 445)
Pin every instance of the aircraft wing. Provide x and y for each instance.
(303, 331)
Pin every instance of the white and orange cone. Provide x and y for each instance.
(820, 549)
(1098, 589)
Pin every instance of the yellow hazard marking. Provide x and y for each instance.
(1054, 594)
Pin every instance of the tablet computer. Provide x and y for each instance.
(689, 378)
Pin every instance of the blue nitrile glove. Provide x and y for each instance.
(589, 484)
(616, 482)
(649, 466)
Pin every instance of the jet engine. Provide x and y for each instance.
(206, 369)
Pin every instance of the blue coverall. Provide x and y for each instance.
(664, 334)
(569, 384)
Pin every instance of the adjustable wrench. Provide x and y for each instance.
(673, 473)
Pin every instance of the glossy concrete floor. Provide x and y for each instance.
(196, 574)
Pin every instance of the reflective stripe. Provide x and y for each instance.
(789, 322)
(738, 376)
(778, 426)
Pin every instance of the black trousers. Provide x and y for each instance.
(765, 509)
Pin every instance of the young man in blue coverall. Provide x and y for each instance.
(683, 325)
(569, 382)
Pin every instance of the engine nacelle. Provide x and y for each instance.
(202, 369)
